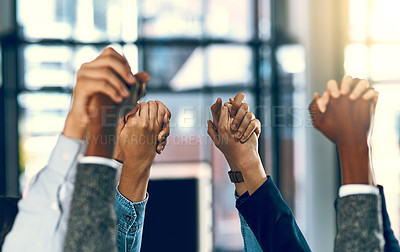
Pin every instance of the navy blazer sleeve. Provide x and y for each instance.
(271, 219)
(391, 243)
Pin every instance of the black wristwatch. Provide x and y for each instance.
(235, 176)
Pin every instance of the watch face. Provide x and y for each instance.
(235, 176)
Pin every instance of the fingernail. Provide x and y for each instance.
(238, 134)
(234, 126)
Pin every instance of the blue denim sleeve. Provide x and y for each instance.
(250, 243)
(249, 240)
(130, 219)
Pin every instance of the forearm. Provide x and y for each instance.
(74, 127)
(134, 180)
(354, 163)
(102, 127)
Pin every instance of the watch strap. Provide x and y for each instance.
(235, 176)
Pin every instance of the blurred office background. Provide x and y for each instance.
(276, 51)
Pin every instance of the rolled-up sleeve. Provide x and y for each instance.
(130, 219)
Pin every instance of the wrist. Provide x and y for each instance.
(253, 171)
(133, 182)
(75, 127)
(240, 162)
(240, 187)
(354, 163)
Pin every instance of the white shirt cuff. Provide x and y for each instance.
(352, 189)
(100, 160)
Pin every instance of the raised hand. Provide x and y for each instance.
(161, 138)
(110, 75)
(341, 116)
(240, 156)
(145, 130)
(244, 123)
(225, 139)
(345, 116)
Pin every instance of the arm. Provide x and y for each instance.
(271, 219)
(250, 243)
(359, 223)
(101, 84)
(139, 140)
(92, 213)
(243, 125)
(92, 223)
(262, 206)
(344, 116)
(43, 210)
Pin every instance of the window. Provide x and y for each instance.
(195, 51)
(373, 52)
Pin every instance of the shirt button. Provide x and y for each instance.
(128, 217)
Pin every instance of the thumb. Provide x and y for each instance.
(315, 112)
(212, 132)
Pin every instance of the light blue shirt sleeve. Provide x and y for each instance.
(250, 243)
(130, 219)
(42, 218)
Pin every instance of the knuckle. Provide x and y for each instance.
(84, 65)
(246, 106)
(108, 58)
(249, 115)
(108, 50)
